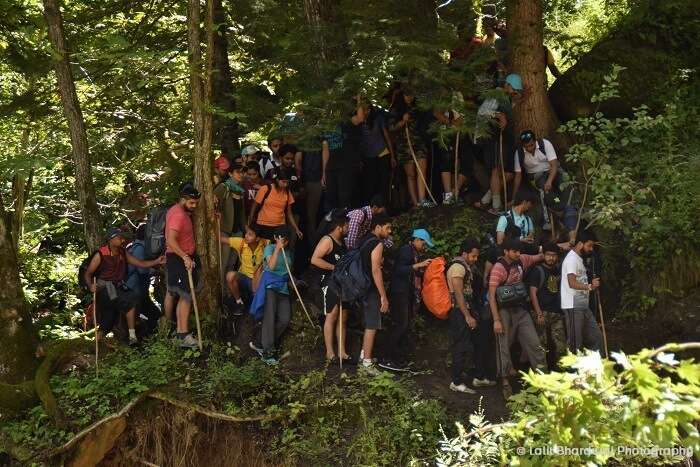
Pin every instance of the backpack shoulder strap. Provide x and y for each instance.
(266, 195)
(540, 143)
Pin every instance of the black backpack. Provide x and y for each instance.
(350, 279)
(83, 267)
(154, 240)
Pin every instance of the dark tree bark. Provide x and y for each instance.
(329, 38)
(17, 337)
(226, 130)
(525, 41)
(201, 90)
(76, 126)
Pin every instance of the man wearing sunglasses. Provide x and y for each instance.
(538, 159)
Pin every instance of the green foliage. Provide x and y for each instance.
(640, 177)
(638, 402)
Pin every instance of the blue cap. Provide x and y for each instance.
(515, 81)
(423, 235)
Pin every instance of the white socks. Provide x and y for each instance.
(132, 333)
(496, 202)
(486, 199)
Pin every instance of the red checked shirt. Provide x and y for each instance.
(498, 272)
(359, 221)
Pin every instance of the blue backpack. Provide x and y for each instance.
(350, 280)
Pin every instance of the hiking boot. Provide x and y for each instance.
(392, 366)
(187, 342)
(369, 369)
(269, 358)
(255, 348)
(483, 383)
(463, 388)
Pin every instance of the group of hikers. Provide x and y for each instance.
(317, 220)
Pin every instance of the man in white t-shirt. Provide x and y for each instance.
(538, 159)
(581, 327)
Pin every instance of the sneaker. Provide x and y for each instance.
(272, 361)
(349, 361)
(482, 383)
(370, 369)
(463, 388)
(426, 204)
(188, 342)
(255, 348)
(393, 366)
(448, 198)
(133, 342)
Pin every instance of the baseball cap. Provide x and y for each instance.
(222, 163)
(187, 190)
(423, 235)
(515, 81)
(248, 150)
(115, 232)
(527, 135)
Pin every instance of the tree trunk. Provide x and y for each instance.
(534, 111)
(17, 360)
(226, 131)
(329, 38)
(76, 126)
(205, 225)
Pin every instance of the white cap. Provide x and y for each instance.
(248, 150)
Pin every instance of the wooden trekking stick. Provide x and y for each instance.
(340, 333)
(196, 309)
(294, 284)
(415, 161)
(602, 321)
(503, 169)
(456, 190)
(94, 322)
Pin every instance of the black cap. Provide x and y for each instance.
(187, 190)
(115, 232)
(527, 135)
(512, 244)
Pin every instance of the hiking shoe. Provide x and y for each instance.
(255, 348)
(188, 342)
(133, 342)
(448, 198)
(370, 370)
(482, 383)
(426, 204)
(393, 366)
(271, 360)
(463, 388)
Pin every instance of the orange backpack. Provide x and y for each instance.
(436, 294)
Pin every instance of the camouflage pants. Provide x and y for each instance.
(553, 337)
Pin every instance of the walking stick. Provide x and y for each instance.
(415, 161)
(503, 169)
(294, 284)
(94, 322)
(340, 333)
(196, 309)
(602, 321)
(456, 190)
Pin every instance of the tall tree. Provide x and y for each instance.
(17, 362)
(226, 131)
(206, 230)
(92, 224)
(527, 57)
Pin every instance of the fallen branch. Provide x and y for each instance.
(161, 396)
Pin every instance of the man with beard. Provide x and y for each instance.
(180, 257)
(581, 327)
(543, 283)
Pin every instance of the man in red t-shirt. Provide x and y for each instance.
(180, 257)
(514, 320)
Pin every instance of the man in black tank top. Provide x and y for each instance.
(329, 250)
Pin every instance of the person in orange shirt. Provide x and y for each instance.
(273, 207)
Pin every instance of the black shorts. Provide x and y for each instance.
(178, 281)
(265, 231)
(373, 316)
(108, 311)
(492, 154)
